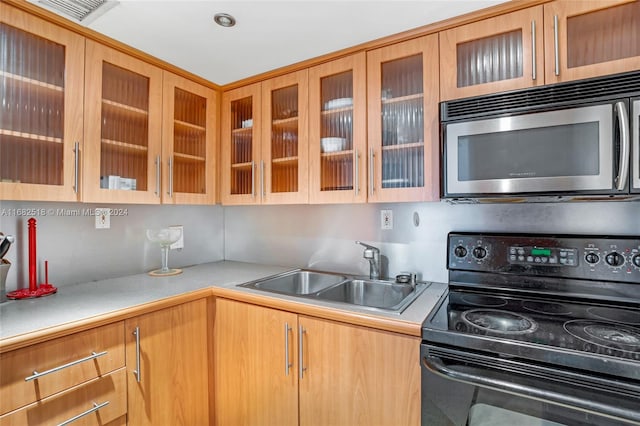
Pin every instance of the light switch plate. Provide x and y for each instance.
(386, 219)
(103, 218)
(178, 245)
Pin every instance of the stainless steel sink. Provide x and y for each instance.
(373, 294)
(377, 295)
(300, 282)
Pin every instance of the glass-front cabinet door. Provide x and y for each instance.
(188, 142)
(123, 126)
(493, 55)
(241, 145)
(586, 39)
(403, 121)
(41, 100)
(284, 176)
(338, 131)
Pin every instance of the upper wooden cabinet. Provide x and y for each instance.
(265, 146)
(493, 55)
(338, 131)
(591, 38)
(402, 81)
(41, 85)
(123, 128)
(189, 142)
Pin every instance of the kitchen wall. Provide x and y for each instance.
(323, 236)
(77, 252)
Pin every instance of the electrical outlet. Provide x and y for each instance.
(178, 245)
(386, 219)
(103, 218)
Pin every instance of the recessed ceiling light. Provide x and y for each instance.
(224, 19)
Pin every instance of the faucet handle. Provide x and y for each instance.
(368, 246)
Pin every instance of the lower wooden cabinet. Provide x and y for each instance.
(274, 367)
(167, 366)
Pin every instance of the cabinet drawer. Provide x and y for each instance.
(103, 401)
(62, 363)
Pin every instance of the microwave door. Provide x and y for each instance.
(635, 148)
(554, 151)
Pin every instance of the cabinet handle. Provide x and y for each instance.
(287, 363)
(158, 175)
(76, 166)
(137, 371)
(95, 408)
(301, 366)
(170, 192)
(534, 63)
(356, 162)
(372, 157)
(37, 375)
(262, 193)
(623, 165)
(253, 179)
(555, 44)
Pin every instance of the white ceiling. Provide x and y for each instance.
(268, 34)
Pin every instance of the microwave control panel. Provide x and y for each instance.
(582, 257)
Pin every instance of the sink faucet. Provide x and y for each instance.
(372, 254)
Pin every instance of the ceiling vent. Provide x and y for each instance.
(79, 10)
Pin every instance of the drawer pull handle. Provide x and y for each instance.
(95, 408)
(37, 375)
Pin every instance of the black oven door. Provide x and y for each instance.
(462, 388)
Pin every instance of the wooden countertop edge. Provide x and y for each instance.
(72, 327)
(324, 312)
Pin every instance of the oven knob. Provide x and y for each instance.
(614, 259)
(460, 251)
(636, 260)
(592, 258)
(479, 253)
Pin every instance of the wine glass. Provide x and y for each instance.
(164, 237)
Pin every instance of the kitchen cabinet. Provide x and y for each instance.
(78, 366)
(167, 366)
(122, 129)
(338, 131)
(501, 53)
(402, 95)
(189, 142)
(590, 38)
(264, 142)
(275, 367)
(41, 109)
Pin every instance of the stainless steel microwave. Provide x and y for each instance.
(569, 141)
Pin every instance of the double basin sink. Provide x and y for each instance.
(371, 294)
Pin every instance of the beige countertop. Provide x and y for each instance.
(87, 304)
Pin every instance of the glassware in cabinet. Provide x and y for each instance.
(337, 142)
(189, 142)
(241, 133)
(403, 121)
(123, 126)
(41, 74)
(284, 162)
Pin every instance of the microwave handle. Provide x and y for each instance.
(623, 161)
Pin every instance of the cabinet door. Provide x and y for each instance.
(403, 133)
(188, 142)
(41, 101)
(358, 376)
(123, 126)
(255, 350)
(591, 38)
(338, 131)
(241, 145)
(284, 167)
(492, 55)
(167, 366)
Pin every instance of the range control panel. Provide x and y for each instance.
(581, 257)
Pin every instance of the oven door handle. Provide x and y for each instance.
(478, 377)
